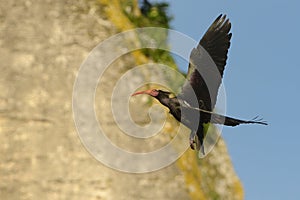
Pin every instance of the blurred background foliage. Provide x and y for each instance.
(146, 14)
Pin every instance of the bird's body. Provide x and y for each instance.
(193, 106)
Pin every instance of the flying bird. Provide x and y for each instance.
(194, 105)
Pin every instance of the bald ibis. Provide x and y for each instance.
(203, 81)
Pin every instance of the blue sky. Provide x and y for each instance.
(261, 78)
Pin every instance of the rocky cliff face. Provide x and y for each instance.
(42, 45)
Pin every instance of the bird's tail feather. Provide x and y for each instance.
(229, 121)
(208, 116)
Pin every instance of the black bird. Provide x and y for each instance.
(199, 94)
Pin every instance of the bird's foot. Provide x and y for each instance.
(192, 140)
(193, 144)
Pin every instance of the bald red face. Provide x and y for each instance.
(152, 92)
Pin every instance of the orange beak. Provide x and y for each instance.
(142, 92)
(152, 93)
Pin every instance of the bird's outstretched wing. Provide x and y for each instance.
(206, 66)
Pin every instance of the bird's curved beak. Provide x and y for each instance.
(142, 92)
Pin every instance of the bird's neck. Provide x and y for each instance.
(163, 99)
(173, 105)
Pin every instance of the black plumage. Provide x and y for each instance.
(193, 106)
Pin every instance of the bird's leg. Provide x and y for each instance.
(200, 138)
(192, 140)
